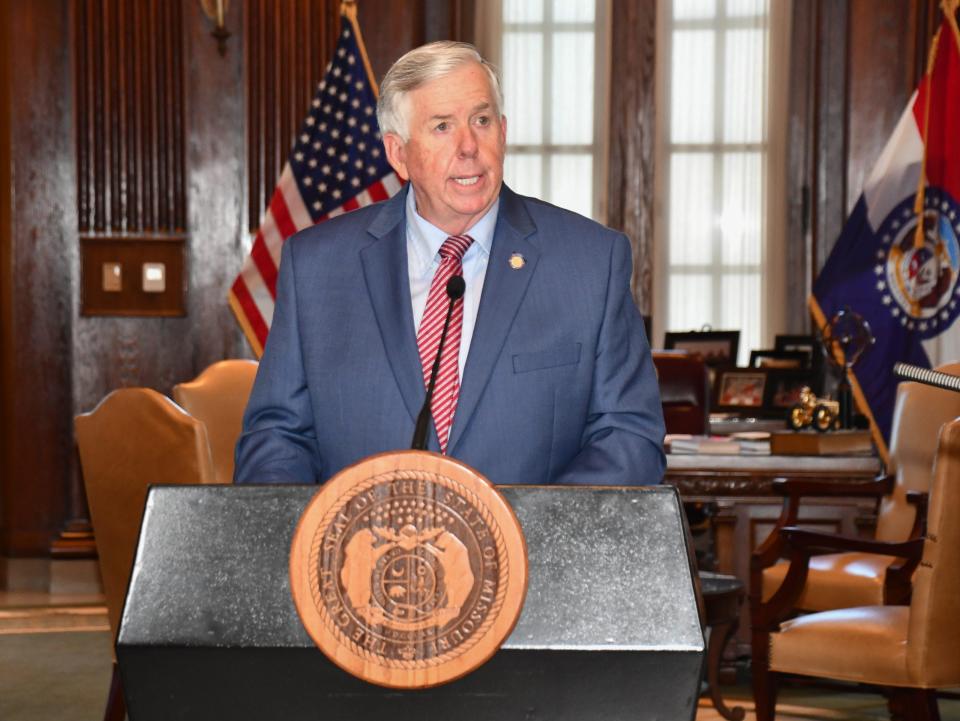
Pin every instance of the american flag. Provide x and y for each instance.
(337, 164)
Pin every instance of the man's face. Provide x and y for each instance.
(454, 155)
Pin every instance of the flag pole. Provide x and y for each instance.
(921, 196)
(858, 395)
(348, 9)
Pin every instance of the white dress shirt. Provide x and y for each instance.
(423, 258)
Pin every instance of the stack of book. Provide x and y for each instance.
(738, 444)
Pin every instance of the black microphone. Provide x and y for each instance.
(455, 290)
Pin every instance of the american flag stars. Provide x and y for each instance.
(335, 166)
(338, 127)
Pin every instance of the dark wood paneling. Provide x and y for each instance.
(130, 106)
(830, 136)
(6, 280)
(854, 64)
(882, 53)
(130, 103)
(288, 44)
(630, 176)
(391, 28)
(449, 20)
(801, 114)
(157, 353)
(39, 249)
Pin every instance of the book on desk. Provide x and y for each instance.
(738, 444)
(814, 443)
(778, 443)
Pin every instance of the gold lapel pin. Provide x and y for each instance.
(517, 261)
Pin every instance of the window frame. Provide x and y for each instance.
(494, 29)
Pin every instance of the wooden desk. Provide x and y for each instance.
(745, 509)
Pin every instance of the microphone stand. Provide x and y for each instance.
(455, 289)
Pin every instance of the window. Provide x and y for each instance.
(548, 54)
(713, 165)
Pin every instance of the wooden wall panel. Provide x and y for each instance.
(288, 44)
(38, 230)
(800, 145)
(854, 65)
(632, 120)
(883, 63)
(6, 279)
(116, 352)
(130, 105)
(391, 28)
(74, 109)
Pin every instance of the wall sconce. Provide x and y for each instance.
(216, 10)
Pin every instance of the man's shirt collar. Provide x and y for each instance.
(424, 238)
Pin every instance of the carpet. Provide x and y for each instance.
(54, 675)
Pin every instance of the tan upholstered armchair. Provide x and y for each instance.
(134, 438)
(217, 397)
(847, 577)
(912, 650)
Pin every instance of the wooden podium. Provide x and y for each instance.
(610, 626)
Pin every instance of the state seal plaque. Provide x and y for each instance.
(408, 569)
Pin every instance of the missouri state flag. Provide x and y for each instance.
(897, 260)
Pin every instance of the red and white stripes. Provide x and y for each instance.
(444, 402)
(255, 288)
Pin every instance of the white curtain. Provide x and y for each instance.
(720, 166)
(552, 59)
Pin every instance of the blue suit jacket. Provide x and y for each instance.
(558, 387)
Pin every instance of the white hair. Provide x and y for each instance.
(420, 66)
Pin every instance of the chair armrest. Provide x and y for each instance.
(801, 545)
(920, 500)
(898, 580)
(792, 490)
(812, 543)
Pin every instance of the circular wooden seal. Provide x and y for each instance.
(408, 569)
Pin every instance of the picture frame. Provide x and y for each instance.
(779, 359)
(799, 343)
(739, 390)
(783, 389)
(717, 347)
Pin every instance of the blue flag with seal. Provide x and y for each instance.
(897, 260)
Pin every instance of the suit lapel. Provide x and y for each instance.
(503, 291)
(388, 285)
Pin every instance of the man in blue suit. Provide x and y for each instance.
(554, 382)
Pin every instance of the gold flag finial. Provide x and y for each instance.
(349, 8)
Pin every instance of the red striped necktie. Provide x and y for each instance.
(445, 392)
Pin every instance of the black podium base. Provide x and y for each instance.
(287, 684)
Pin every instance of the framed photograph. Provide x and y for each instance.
(806, 344)
(783, 389)
(717, 347)
(739, 390)
(781, 359)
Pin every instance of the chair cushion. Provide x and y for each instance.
(835, 580)
(867, 644)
